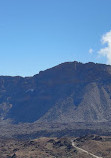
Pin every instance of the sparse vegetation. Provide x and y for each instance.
(55, 147)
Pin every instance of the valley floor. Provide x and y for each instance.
(81, 147)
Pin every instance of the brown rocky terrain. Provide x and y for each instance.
(56, 147)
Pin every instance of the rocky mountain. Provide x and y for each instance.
(67, 93)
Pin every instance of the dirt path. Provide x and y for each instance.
(82, 150)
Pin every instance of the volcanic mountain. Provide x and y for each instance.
(67, 93)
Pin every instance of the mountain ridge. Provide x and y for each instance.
(68, 92)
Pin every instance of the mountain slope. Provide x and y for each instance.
(69, 92)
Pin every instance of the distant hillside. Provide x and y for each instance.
(67, 93)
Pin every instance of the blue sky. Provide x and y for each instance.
(38, 34)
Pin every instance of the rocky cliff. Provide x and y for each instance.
(69, 92)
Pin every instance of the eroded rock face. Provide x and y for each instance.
(69, 92)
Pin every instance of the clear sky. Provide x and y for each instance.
(38, 34)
